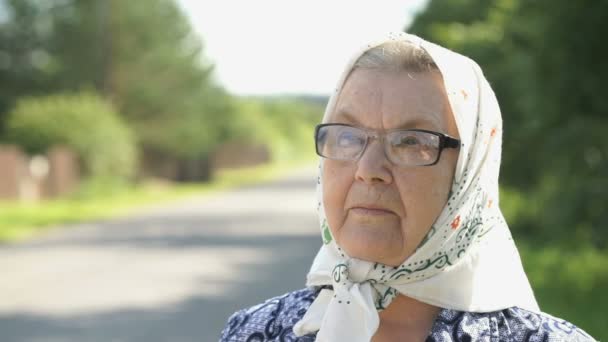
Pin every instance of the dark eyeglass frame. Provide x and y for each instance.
(445, 141)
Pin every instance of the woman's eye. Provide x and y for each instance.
(408, 141)
(348, 139)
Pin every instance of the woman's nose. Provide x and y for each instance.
(373, 166)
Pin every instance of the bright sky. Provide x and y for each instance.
(281, 46)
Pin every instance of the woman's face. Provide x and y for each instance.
(409, 198)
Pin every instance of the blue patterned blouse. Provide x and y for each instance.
(274, 319)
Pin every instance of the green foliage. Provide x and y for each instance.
(142, 55)
(157, 76)
(25, 66)
(84, 122)
(145, 58)
(544, 60)
(285, 124)
(570, 283)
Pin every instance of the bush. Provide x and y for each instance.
(284, 124)
(569, 283)
(84, 122)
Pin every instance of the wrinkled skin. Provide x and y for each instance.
(409, 198)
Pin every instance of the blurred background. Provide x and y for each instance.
(157, 168)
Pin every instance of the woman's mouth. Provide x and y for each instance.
(366, 211)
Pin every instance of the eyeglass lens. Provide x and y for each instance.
(402, 147)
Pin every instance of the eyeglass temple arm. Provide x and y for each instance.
(450, 142)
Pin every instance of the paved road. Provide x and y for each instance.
(170, 273)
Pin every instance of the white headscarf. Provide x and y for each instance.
(468, 260)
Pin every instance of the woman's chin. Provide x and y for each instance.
(380, 245)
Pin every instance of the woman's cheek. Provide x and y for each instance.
(420, 195)
(434, 194)
(335, 189)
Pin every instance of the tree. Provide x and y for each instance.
(544, 60)
(153, 71)
(26, 68)
(142, 56)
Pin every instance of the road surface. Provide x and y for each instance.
(168, 273)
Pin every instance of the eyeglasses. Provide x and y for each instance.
(404, 147)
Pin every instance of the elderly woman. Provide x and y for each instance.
(415, 246)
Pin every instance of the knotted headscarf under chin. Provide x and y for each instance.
(467, 261)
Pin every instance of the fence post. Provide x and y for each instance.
(63, 171)
(12, 167)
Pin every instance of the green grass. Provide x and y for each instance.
(20, 221)
(570, 284)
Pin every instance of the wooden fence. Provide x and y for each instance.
(30, 178)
